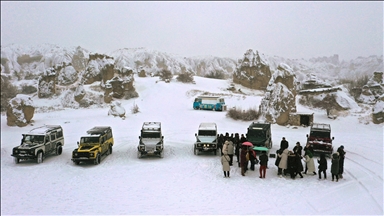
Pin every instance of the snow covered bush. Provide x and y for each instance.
(135, 108)
(165, 75)
(245, 115)
(186, 77)
(8, 91)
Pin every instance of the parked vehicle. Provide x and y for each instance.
(320, 138)
(259, 134)
(206, 139)
(151, 140)
(96, 144)
(39, 143)
(209, 103)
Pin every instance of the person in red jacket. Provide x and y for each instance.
(263, 158)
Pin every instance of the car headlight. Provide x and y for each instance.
(199, 145)
(16, 151)
(75, 154)
(91, 154)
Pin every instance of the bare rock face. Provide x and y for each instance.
(47, 83)
(142, 73)
(253, 71)
(20, 111)
(79, 93)
(280, 96)
(378, 111)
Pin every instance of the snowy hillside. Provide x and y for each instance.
(35, 59)
(182, 183)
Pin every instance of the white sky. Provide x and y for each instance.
(223, 29)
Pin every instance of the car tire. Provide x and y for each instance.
(40, 158)
(162, 154)
(59, 150)
(215, 152)
(97, 160)
(77, 162)
(139, 155)
(17, 160)
(196, 151)
(110, 149)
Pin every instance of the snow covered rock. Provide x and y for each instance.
(373, 89)
(253, 71)
(20, 111)
(378, 111)
(116, 110)
(47, 83)
(79, 93)
(100, 68)
(80, 59)
(67, 75)
(280, 97)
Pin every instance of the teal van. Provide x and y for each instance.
(209, 103)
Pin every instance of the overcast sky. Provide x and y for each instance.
(223, 29)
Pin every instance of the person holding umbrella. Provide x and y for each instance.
(243, 159)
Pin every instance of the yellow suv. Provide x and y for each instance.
(96, 144)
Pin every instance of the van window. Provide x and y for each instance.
(53, 136)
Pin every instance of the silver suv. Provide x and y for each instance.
(151, 140)
(206, 138)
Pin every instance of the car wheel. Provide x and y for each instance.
(215, 151)
(139, 155)
(40, 157)
(196, 151)
(110, 149)
(59, 150)
(77, 162)
(17, 160)
(97, 160)
(162, 154)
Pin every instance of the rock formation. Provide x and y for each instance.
(280, 96)
(116, 110)
(378, 111)
(253, 71)
(47, 83)
(20, 111)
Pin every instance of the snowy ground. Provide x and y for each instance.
(181, 182)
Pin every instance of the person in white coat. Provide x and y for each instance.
(231, 151)
(225, 147)
(225, 162)
(283, 161)
(308, 159)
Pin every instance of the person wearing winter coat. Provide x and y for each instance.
(335, 166)
(283, 161)
(341, 152)
(220, 142)
(252, 158)
(243, 160)
(230, 151)
(237, 144)
(263, 158)
(225, 162)
(307, 148)
(225, 147)
(291, 164)
(322, 165)
(298, 149)
(308, 159)
(299, 165)
(284, 144)
(242, 138)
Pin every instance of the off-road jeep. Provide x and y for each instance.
(39, 143)
(206, 139)
(320, 138)
(259, 134)
(151, 140)
(96, 144)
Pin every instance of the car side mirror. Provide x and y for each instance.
(195, 134)
(162, 137)
(78, 143)
(139, 137)
(333, 138)
(307, 135)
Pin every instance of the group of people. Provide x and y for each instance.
(233, 145)
(288, 162)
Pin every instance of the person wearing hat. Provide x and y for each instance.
(341, 152)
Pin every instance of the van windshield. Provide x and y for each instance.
(258, 133)
(89, 140)
(150, 135)
(207, 133)
(34, 139)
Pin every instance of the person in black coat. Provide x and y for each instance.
(341, 160)
(237, 145)
(220, 143)
(252, 158)
(299, 165)
(298, 149)
(322, 165)
(292, 165)
(263, 163)
(277, 161)
(284, 144)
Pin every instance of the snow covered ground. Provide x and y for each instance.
(181, 182)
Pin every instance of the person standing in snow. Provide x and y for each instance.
(284, 144)
(220, 142)
(225, 147)
(298, 149)
(252, 158)
(299, 165)
(225, 163)
(335, 166)
(291, 164)
(263, 158)
(308, 159)
(307, 148)
(283, 161)
(236, 143)
(322, 165)
(243, 160)
(230, 151)
(341, 152)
